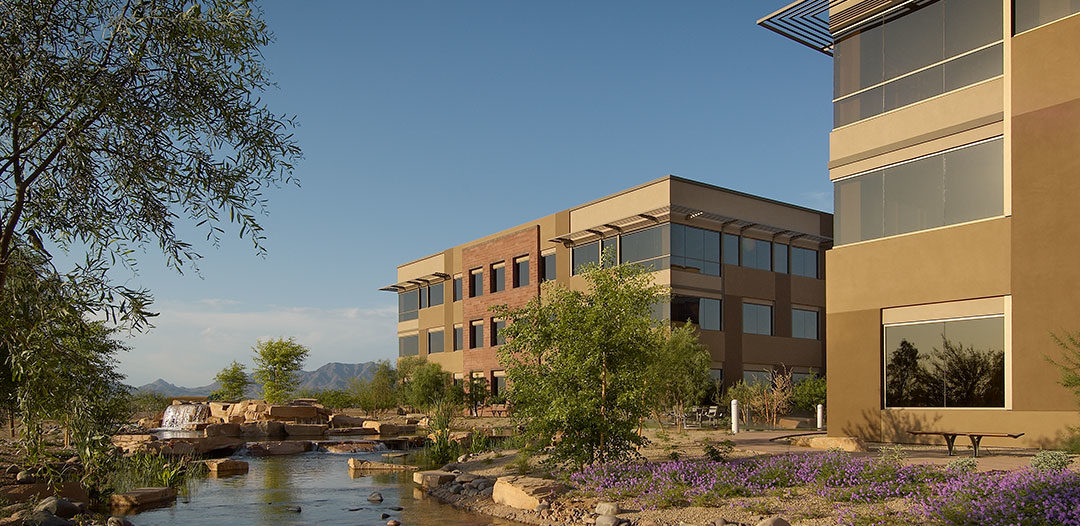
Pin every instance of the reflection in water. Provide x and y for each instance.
(967, 370)
(320, 484)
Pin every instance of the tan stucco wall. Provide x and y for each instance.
(763, 211)
(647, 197)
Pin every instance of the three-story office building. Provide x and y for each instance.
(955, 158)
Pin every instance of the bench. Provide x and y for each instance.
(950, 438)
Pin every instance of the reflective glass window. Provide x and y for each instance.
(409, 345)
(423, 297)
(969, 24)
(408, 305)
(476, 283)
(752, 377)
(804, 324)
(435, 293)
(731, 249)
(550, 270)
(521, 272)
(969, 69)
(956, 363)
(859, 203)
(710, 314)
(434, 342)
(914, 196)
(498, 279)
(645, 245)
(757, 319)
(476, 335)
(974, 182)
(804, 262)
(685, 309)
(457, 289)
(1029, 14)
(915, 39)
(780, 258)
(695, 249)
(756, 254)
(584, 256)
(459, 338)
(858, 60)
(498, 335)
(499, 387)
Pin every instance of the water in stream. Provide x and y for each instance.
(319, 484)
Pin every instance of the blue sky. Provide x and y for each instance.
(426, 124)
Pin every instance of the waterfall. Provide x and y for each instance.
(179, 414)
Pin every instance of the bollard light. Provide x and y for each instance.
(734, 416)
(820, 417)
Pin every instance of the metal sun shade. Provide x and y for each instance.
(804, 21)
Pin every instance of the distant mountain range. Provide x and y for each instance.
(330, 376)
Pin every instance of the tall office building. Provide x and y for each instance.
(955, 158)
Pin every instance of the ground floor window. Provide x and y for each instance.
(946, 363)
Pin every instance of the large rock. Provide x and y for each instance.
(284, 447)
(774, 521)
(525, 493)
(44, 518)
(359, 464)
(228, 430)
(72, 491)
(60, 507)
(365, 446)
(342, 421)
(263, 429)
(149, 423)
(433, 479)
(381, 428)
(220, 410)
(851, 444)
(225, 467)
(346, 431)
(292, 412)
(462, 438)
(306, 430)
(143, 497)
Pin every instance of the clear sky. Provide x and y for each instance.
(427, 124)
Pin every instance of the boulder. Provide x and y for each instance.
(149, 423)
(220, 410)
(72, 491)
(262, 429)
(851, 444)
(228, 430)
(524, 493)
(608, 508)
(350, 447)
(61, 507)
(462, 438)
(225, 467)
(281, 447)
(371, 465)
(343, 421)
(789, 423)
(433, 479)
(607, 520)
(142, 497)
(44, 518)
(774, 521)
(375, 497)
(306, 430)
(352, 431)
(407, 429)
(381, 428)
(292, 412)
(118, 521)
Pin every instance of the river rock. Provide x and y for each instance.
(307, 430)
(284, 447)
(228, 430)
(292, 412)
(432, 479)
(375, 497)
(774, 521)
(608, 508)
(381, 428)
(263, 429)
(524, 493)
(607, 520)
(338, 421)
(362, 464)
(363, 446)
(142, 497)
(44, 518)
(392, 522)
(225, 467)
(25, 477)
(118, 521)
(58, 506)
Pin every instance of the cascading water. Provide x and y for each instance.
(177, 415)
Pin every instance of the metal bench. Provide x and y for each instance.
(950, 438)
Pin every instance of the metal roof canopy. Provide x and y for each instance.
(804, 21)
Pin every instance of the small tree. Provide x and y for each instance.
(476, 393)
(379, 393)
(232, 382)
(277, 363)
(807, 394)
(426, 384)
(678, 372)
(578, 362)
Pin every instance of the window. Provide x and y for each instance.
(756, 376)
(757, 319)
(521, 271)
(434, 342)
(756, 253)
(584, 256)
(954, 186)
(435, 294)
(804, 324)
(704, 312)
(408, 305)
(731, 249)
(459, 338)
(498, 335)
(409, 345)
(780, 258)
(457, 288)
(647, 247)
(423, 297)
(498, 389)
(927, 49)
(609, 251)
(498, 278)
(476, 283)
(547, 263)
(954, 363)
(695, 249)
(476, 334)
(1028, 14)
(804, 262)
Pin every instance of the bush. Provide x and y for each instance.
(807, 394)
(961, 465)
(1050, 461)
(719, 452)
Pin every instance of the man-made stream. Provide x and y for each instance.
(320, 485)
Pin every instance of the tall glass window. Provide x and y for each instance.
(731, 249)
(585, 255)
(476, 283)
(435, 342)
(409, 345)
(928, 48)
(498, 388)
(459, 338)
(695, 249)
(804, 262)
(703, 312)
(521, 272)
(435, 295)
(780, 258)
(756, 254)
(609, 251)
(804, 324)
(1030, 14)
(423, 297)
(498, 335)
(757, 319)
(549, 268)
(457, 288)
(408, 305)
(954, 363)
(498, 278)
(648, 247)
(946, 188)
(476, 334)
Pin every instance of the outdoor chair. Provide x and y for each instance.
(713, 414)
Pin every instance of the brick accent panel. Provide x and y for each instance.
(505, 249)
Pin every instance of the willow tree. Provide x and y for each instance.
(119, 118)
(577, 363)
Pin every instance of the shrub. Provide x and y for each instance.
(719, 452)
(807, 394)
(1050, 461)
(961, 465)
(442, 450)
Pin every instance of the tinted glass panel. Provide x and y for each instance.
(973, 182)
(476, 336)
(498, 336)
(423, 297)
(499, 387)
(804, 262)
(409, 345)
(434, 342)
(685, 309)
(459, 338)
(435, 293)
(731, 249)
(915, 39)
(970, 24)
(757, 377)
(914, 196)
(976, 67)
(804, 324)
(498, 279)
(408, 304)
(457, 289)
(549, 267)
(857, 61)
(858, 107)
(756, 253)
(693, 244)
(1033, 13)
(914, 87)
(521, 273)
(585, 255)
(710, 314)
(757, 319)
(946, 364)
(780, 257)
(644, 245)
(859, 202)
(476, 284)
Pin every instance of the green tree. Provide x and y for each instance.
(578, 362)
(807, 394)
(232, 382)
(277, 362)
(379, 393)
(119, 117)
(475, 393)
(426, 384)
(678, 373)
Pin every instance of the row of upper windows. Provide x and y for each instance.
(672, 245)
